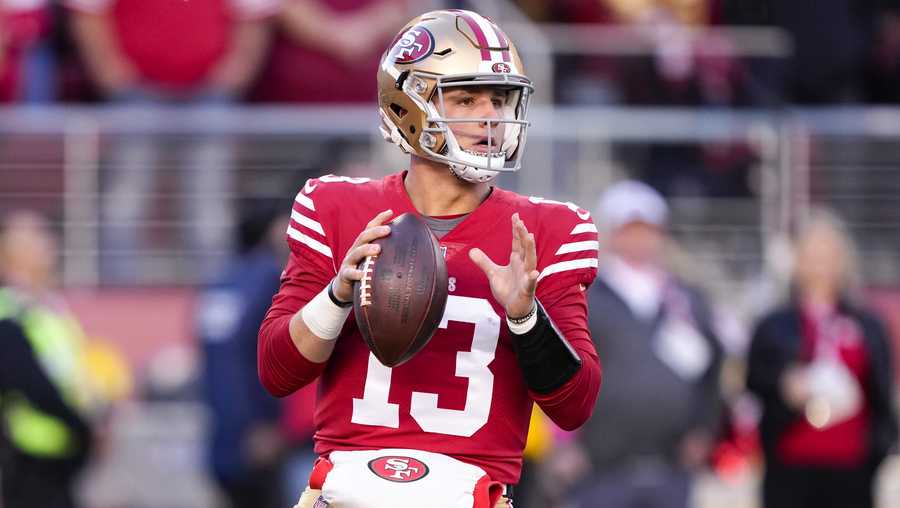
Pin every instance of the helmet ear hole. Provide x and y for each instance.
(398, 110)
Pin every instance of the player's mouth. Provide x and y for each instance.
(480, 148)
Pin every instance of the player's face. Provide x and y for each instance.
(476, 102)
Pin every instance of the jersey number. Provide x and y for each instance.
(374, 408)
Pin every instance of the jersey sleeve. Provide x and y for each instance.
(570, 405)
(282, 369)
(567, 245)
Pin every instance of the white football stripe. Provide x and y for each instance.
(307, 222)
(578, 247)
(584, 227)
(565, 266)
(309, 242)
(305, 201)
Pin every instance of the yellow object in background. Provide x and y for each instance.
(540, 438)
(109, 375)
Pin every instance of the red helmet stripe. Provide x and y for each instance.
(503, 42)
(479, 35)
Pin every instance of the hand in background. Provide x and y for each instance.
(795, 388)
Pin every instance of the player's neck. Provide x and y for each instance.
(435, 191)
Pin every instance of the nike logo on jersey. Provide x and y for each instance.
(307, 188)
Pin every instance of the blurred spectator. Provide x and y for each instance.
(192, 53)
(246, 445)
(23, 25)
(832, 42)
(821, 366)
(883, 73)
(46, 438)
(201, 50)
(328, 50)
(658, 413)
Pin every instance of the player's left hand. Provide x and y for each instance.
(513, 284)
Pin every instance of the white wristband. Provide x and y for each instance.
(523, 328)
(323, 317)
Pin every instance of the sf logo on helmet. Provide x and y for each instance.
(501, 67)
(415, 44)
(398, 469)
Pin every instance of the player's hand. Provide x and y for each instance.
(361, 248)
(513, 284)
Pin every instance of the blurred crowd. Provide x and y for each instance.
(315, 51)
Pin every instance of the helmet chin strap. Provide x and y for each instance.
(470, 174)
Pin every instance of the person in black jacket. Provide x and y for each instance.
(246, 445)
(658, 415)
(821, 366)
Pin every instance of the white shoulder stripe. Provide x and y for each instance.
(584, 227)
(307, 222)
(565, 266)
(305, 201)
(309, 242)
(577, 247)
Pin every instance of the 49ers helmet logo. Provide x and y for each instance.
(501, 67)
(398, 469)
(415, 44)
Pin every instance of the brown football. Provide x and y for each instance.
(401, 298)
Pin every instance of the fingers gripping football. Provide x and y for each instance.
(513, 285)
(362, 247)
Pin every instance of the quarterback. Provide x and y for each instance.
(446, 428)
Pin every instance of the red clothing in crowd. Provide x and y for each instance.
(844, 444)
(22, 23)
(175, 43)
(298, 73)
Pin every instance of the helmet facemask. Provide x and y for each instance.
(438, 141)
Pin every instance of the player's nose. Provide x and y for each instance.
(488, 109)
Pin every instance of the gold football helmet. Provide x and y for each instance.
(452, 48)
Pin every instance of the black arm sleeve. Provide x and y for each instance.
(21, 372)
(546, 359)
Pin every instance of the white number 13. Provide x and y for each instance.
(374, 408)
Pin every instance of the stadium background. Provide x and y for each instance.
(701, 103)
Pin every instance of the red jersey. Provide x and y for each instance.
(464, 394)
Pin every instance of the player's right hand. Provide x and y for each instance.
(361, 248)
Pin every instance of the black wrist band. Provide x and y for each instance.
(545, 357)
(334, 299)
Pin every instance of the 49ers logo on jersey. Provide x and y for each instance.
(415, 44)
(398, 469)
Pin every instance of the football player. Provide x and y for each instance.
(446, 428)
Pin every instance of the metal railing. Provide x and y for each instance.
(573, 153)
